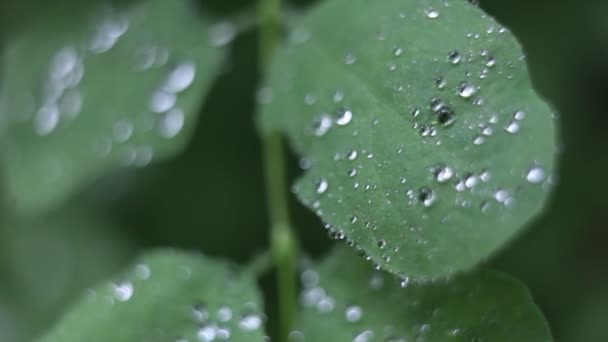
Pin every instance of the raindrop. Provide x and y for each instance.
(122, 292)
(536, 175)
(397, 51)
(180, 78)
(108, 33)
(502, 196)
(445, 116)
(322, 186)
(444, 174)
(512, 127)
(432, 13)
(162, 101)
(479, 140)
(353, 313)
(46, 119)
(490, 62)
(172, 123)
(440, 83)
(350, 59)
(466, 90)
(426, 196)
(454, 57)
(519, 115)
(352, 155)
(224, 314)
(352, 172)
(344, 116)
(322, 125)
(122, 130)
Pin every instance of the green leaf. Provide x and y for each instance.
(47, 261)
(86, 91)
(168, 296)
(423, 140)
(347, 300)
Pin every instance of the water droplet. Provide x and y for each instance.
(344, 116)
(350, 59)
(199, 312)
(426, 196)
(206, 333)
(444, 174)
(502, 196)
(172, 123)
(322, 125)
(352, 155)
(322, 186)
(431, 13)
(123, 291)
(397, 51)
(536, 175)
(224, 314)
(470, 181)
(108, 33)
(446, 116)
(180, 78)
(440, 83)
(162, 101)
(352, 172)
(142, 271)
(466, 90)
(519, 115)
(46, 119)
(490, 62)
(454, 57)
(479, 140)
(353, 313)
(122, 130)
(512, 127)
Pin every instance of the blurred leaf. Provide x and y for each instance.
(87, 91)
(168, 296)
(426, 142)
(344, 299)
(46, 262)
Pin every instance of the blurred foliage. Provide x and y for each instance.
(218, 207)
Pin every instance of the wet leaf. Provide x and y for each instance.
(423, 141)
(345, 299)
(168, 296)
(111, 86)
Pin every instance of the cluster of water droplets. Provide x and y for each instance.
(211, 322)
(69, 92)
(347, 312)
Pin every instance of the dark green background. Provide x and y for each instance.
(211, 197)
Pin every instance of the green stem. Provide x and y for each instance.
(284, 247)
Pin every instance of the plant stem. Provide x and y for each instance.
(284, 247)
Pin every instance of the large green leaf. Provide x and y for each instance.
(345, 299)
(87, 90)
(423, 140)
(168, 296)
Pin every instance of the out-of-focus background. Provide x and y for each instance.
(46, 261)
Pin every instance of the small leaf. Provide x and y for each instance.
(168, 296)
(346, 300)
(423, 140)
(46, 262)
(84, 91)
